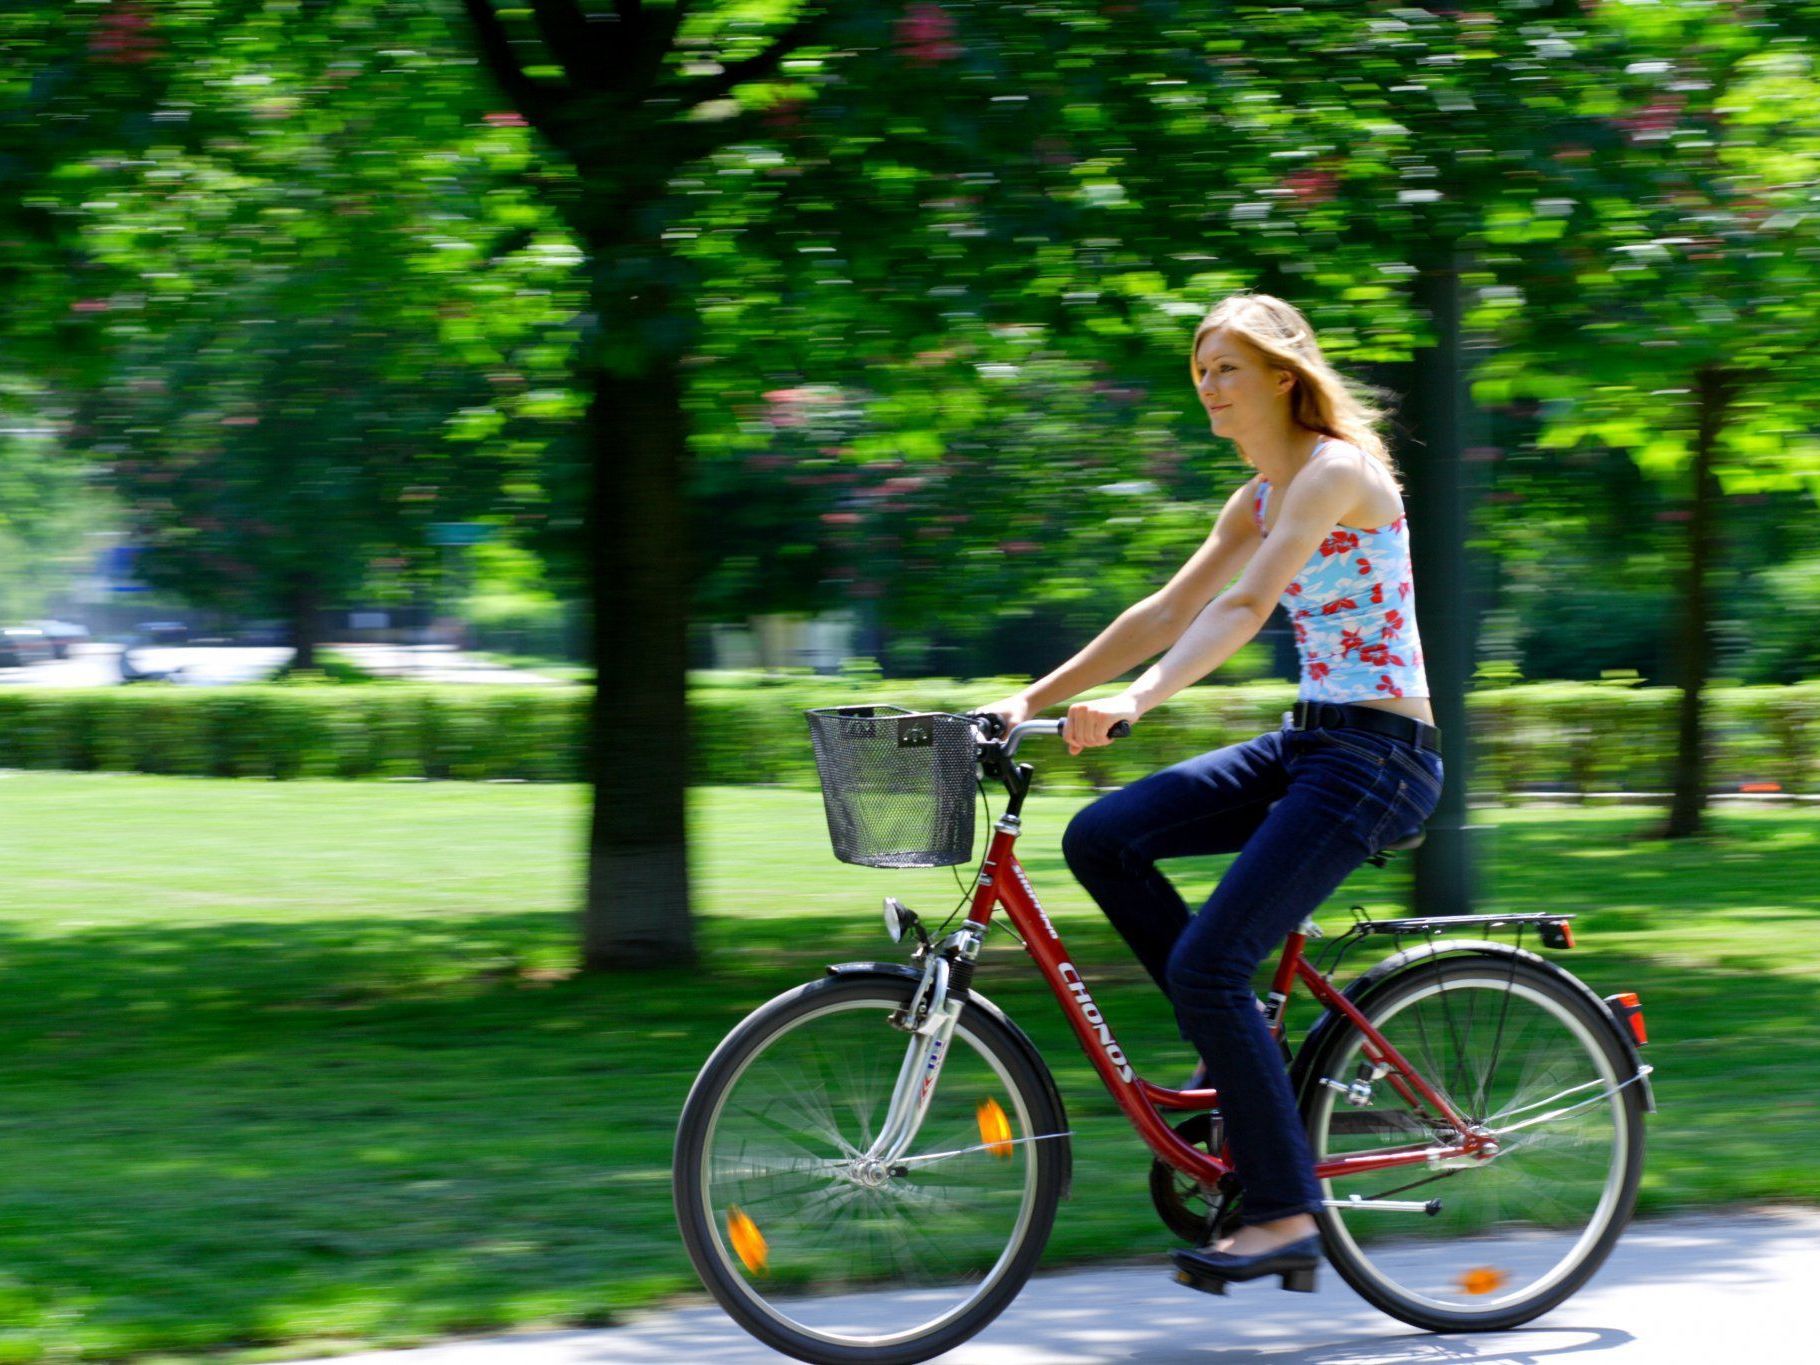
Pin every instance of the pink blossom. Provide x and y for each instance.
(925, 34)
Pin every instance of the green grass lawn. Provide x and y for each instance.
(290, 1067)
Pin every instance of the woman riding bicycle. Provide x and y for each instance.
(1320, 527)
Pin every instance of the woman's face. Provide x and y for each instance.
(1239, 390)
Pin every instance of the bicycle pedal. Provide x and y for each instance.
(1207, 1284)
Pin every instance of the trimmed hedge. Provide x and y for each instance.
(1572, 737)
(285, 731)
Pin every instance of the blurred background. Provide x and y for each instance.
(377, 375)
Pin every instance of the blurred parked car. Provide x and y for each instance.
(23, 645)
(63, 636)
(163, 632)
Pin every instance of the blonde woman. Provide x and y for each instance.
(1320, 528)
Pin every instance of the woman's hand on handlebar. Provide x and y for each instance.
(1013, 710)
(1089, 723)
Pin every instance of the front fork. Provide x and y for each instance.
(934, 1009)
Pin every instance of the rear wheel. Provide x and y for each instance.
(826, 1255)
(1519, 1053)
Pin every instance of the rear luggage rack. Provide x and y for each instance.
(1552, 929)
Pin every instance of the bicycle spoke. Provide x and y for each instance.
(976, 1147)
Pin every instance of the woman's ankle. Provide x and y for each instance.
(1295, 1227)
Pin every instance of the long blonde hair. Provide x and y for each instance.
(1322, 399)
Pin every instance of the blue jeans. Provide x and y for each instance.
(1302, 809)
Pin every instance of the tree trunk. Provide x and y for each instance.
(1438, 413)
(637, 908)
(1714, 390)
(306, 625)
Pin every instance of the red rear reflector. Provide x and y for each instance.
(1559, 934)
(1628, 1009)
(1759, 786)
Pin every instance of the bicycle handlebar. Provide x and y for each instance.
(994, 725)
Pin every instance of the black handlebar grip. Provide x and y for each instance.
(1120, 728)
(991, 722)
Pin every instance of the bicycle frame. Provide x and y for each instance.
(1002, 881)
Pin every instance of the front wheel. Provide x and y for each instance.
(1524, 1055)
(822, 1251)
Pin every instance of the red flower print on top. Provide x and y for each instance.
(1352, 609)
(1378, 655)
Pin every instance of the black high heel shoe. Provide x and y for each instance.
(1211, 1271)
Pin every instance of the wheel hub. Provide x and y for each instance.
(872, 1174)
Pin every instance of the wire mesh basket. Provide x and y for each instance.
(898, 785)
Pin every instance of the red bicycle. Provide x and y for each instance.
(869, 1166)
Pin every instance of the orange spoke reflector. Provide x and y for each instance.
(748, 1241)
(1482, 1280)
(995, 1128)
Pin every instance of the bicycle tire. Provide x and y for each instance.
(1551, 1036)
(791, 1307)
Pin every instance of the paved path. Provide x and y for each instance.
(1708, 1289)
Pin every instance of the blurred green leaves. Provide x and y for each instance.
(298, 268)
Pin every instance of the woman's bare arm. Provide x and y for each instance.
(1147, 628)
(1324, 492)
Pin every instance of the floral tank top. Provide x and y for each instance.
(1353, 607)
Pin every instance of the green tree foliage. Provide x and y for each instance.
(337, 318)
(1680, 327)
(49, 505)
(774, 197)
(74, 95)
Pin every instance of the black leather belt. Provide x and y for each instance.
(1333, 715)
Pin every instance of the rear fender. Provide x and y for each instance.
(899, 972)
